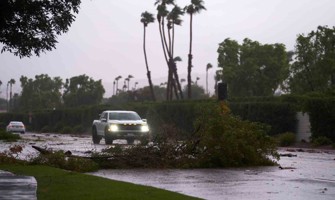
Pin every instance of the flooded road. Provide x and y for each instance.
(307, 175)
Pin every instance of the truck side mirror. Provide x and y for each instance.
(103, 119)
(144, 120)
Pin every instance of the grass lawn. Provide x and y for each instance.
(58, 184)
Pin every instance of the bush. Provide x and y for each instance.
(66, 130)
(46, 129)
(322, 117)
(321, 141)
(227, 141)
(78, 129)
(286, 139)
(9, 137)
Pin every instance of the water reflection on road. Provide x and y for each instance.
(313, 178)
(306, 176)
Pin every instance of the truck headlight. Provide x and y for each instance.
(113, 128)
(145, 128)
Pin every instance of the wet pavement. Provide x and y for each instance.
(14, 187)
(306, 175)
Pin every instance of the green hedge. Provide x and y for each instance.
(281, 116)
(278, 112)
(322, 116)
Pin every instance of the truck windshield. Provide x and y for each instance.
(124, 116)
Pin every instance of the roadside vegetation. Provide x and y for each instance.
(8, 137)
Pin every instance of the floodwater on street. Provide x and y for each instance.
(307, 175)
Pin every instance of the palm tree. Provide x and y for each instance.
(195, 7)
(129, 77)
(208, 66)
(136, 83)
(196, 82)
(173, 18)
(125, 81)
(147, 18)
(124, 85)
(182, 81)
(114, 87)
(117, 81)
(11, 82)
(0, 86)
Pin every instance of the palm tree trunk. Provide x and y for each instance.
(166, 59)
(175, 65)
(189, 69)
(10, 97)
(207, 82)
(147, 66)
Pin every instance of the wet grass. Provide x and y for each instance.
(55, 183)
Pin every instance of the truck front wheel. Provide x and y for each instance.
(108, 138)
(95, 137)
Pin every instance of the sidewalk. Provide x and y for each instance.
(15, 187)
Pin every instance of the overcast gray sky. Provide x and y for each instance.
(105, 40)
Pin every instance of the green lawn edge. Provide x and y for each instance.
(54, 183)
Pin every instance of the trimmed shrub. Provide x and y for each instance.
(280, 116)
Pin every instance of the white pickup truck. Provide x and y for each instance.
(114, 125)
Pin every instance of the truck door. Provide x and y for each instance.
(102, 124)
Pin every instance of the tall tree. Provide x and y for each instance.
(42, 93)
(147, 18)
(129, 77)
(82, 90)
(117, 83)
(208, 66)
(195, 7)
(0, 86)
(173, 18)
(313, 68)
(252, 69)
(31, 26)
(11, 82)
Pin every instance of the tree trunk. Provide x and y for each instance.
(189, 68)
(174, 67)
(147, 66)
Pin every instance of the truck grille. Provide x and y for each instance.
(131, 127)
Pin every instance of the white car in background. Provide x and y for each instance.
(16, 126)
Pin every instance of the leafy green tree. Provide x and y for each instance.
(146, 19)
(143, 94)
(252, 69)
(198, 92)
(82, 90)
(314, 64)
(42, 93)
(31, 26)
(195, 7)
